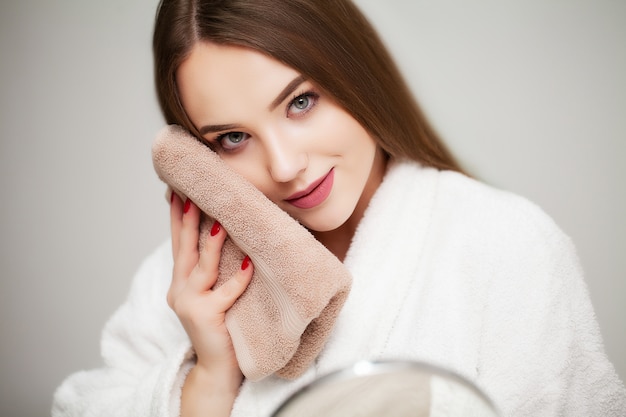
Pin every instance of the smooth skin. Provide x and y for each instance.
(283, 134)
(212, 384)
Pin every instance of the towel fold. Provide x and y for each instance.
(283, 319)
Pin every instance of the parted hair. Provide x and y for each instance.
(330, 42)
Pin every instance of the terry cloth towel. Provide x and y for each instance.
(281, 322)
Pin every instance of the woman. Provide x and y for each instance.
(302, 99)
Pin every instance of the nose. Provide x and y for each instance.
(285, 157)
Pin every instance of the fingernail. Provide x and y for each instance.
(216, 228)
(172, 197)
(246, 263)
(187, 206)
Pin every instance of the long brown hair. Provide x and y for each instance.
(328, 41)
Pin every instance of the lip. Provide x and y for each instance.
(315, 194)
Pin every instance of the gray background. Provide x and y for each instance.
(530, 95)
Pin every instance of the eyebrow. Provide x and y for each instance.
(216, 128)
(289, 89)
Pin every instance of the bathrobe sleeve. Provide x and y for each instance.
(540, 335)
(146, 355)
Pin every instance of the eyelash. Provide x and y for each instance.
(309, 95)
(312, 96)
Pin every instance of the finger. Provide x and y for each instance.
(187, 256)
(232, 289)
(206, 272)
(176, 215)
(176, 221)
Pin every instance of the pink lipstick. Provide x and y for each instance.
(315, 194)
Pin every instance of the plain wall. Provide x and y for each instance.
(529, 94)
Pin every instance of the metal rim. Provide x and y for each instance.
(378, 367)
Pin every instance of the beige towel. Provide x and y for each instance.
(281, 322)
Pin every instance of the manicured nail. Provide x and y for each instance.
(172, 197)
(187, 206)
(246, 263)
(216, 228)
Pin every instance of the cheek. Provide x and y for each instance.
(337, 130)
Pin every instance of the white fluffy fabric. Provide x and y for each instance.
(445, 270)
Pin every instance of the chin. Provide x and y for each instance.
(324, 223)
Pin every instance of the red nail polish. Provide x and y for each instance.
(172, 197)
(216, 228)
(246, 263)
(187, 206)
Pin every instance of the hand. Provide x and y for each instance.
(200, 308)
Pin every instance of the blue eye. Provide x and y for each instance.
(232, 140)
(302, 103)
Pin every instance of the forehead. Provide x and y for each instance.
(220, 79)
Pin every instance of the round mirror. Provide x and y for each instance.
(389, 389)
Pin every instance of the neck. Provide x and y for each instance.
(337, 241)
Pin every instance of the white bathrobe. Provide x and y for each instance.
(445, 270)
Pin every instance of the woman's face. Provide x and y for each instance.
(282, 133)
